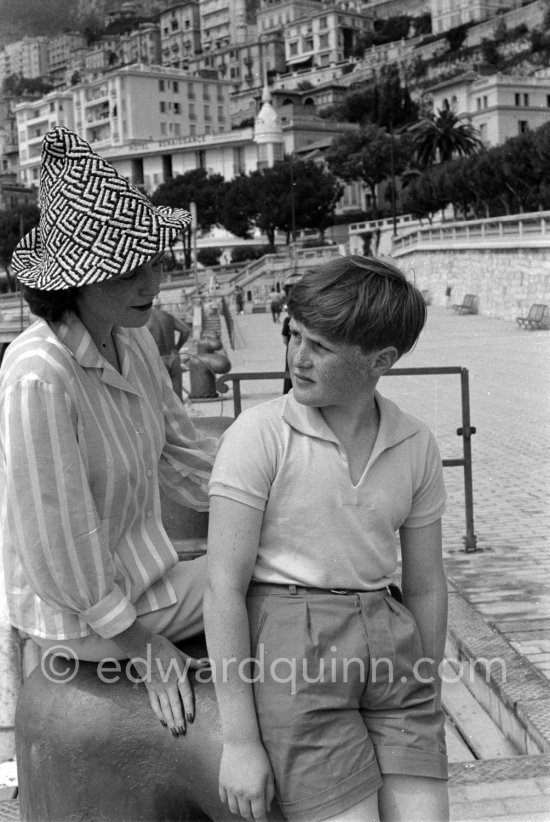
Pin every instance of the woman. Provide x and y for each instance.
(90, 428)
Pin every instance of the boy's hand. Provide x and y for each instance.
(246, 780)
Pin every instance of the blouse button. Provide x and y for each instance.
(149, 473)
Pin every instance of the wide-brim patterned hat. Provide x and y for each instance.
(94, 224)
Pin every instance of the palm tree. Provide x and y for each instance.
(443, 136)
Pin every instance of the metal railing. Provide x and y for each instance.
(465, 432)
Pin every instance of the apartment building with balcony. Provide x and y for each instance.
(34, 118)
(142, 45)
(273, 15)
(61, 49)
(27, 57)
(223, 23)
(133, 104)
(499, 106)
(180, 36)
(324, 37)
(447, 14)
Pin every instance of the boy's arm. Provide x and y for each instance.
(246, 780)
(425, 589)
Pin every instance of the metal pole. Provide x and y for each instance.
(193, 210)
(470, 539)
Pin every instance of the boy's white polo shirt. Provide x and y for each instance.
(320, 530)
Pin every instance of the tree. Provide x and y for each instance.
(13, 225)
(195, 186)
(519, 171)
(443, 136)
(294, 194)
(386, 103)
(424, 194)
(237, 208)
(366, 154)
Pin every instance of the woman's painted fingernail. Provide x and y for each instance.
(173, 732)
(181, 730)
(189, 716)
(163, 723)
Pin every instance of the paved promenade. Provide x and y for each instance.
(500, 595)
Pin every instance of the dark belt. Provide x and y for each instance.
(298, 590)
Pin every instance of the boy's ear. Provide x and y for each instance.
(386, 358)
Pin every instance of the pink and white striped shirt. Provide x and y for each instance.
(83, 450)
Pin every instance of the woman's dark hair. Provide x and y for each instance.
(362, 301)
(50, 305)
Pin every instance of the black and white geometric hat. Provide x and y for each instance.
(94, 224)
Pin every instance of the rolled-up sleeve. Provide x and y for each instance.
(54, 525)
(187, 457)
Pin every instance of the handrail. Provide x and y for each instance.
(466, 430)
(532, 229)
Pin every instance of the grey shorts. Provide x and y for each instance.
(340, 696)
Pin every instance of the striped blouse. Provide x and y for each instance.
(83, 450)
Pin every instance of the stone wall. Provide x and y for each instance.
(506, 281)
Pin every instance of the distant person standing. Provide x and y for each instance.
(275, 305)
(164, 327)
(239, 299)
(448, 293)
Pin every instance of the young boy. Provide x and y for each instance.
(327, 685)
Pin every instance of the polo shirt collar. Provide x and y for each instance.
(395, 425)
(76, 338)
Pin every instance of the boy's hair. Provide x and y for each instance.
(361, 301)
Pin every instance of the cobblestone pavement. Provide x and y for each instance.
(507, 581)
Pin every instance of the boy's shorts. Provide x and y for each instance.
(341, 696)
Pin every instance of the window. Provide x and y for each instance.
(293, 48)
(162, 107)
(485, 101)
(525, 99)
(175, 87)
(161, 85)
(163, 129)
(548, 100)
(177, 108)
(518, 99)
(191, 91)
(478, 103)
(323, 41)
(523, 126)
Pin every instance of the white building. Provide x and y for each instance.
(499, 106)
(133, 104)
(34, 119)
(27, 57)
(324, 37)
(180, 34)
(61, 48)
(446, 14)
(272, 15)
(224, 23)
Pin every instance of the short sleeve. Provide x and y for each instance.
(429, 495)
(246, 463)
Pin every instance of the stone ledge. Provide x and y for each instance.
(513, 688)
(499, 770)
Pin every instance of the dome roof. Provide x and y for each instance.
(267, 126)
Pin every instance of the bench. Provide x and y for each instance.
(467, 306)
(537, 317)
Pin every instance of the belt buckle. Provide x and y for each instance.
(339, 591)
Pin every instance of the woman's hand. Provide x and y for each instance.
(164, 670)
(246, 780)
(165, 674)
